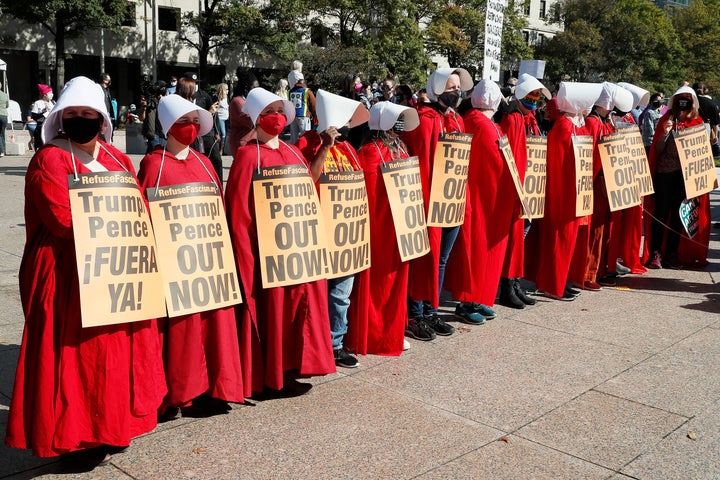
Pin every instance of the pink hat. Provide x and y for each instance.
(44, 89)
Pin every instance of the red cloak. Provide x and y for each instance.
(75, 388)
(517, 126)
(378, 310)
(476, 260)
(200, 350)
(281, 328)
(558, 230)
(421, 142)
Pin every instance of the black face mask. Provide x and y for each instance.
(450, 99)
(80, 129)
(684, 104)
(656, 104)
(399, 125)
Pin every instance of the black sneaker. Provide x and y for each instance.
(572, 291)
(419, 330)
(439, 326)
(344, 359)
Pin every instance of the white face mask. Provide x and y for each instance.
(50, 95)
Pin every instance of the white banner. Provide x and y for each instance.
(493, 39)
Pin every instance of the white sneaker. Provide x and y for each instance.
(406, 345)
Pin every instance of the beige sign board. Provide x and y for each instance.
(404, 189)
(535, 176)
(507, 153)
(343, 199)
(619, 171)
(115, 250)
(449, 182)
(638, 157)
(583, 148)
(194, 248)
(291, 234)
(696, 159)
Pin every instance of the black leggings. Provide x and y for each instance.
(669, 193)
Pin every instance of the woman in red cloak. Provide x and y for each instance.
(477, 259)
(444, 90)
(284, 331)
(378, 310)
(201, 353)
(79, 390)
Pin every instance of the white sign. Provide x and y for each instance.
(493, 39)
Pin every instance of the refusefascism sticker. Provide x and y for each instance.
(343, 199)
(449, 182)
(194, 248)
(115, 250)
(619, 171)
(507, 153)
(583, 148)
(404, 189)
(536, 176)
(696, 159)
(638, 157)
(291, 234)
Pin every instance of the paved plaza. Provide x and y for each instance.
(620, 384)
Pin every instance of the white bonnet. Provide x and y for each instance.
(383, 116)
(437, 80)
(78, 92)
(172, 107)
(259, 98)
(486, 95)
(527, 83)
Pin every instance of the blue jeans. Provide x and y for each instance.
(339, 290)
(417, 308)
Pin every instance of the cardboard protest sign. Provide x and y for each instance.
(115, 250)
(291, 234)
(690, 216)
(507, 153)
(404, 189)
(194, 248)
(583, 148)
(449, 182)
(535, 176)
(638, 157)
(619, 171)
(343, 199)
(696, 159)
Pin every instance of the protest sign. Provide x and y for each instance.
(114, 249)
(696, 159)
(690, 216)
(619, 172)
(535, 176)
(404, 189)
(449, 181)
(639, 159)
(583, 148)
(291, 234)
(507, 153)
(343, 199)
(194, 248)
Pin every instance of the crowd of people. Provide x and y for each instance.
(84, 393)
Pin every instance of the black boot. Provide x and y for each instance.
(522, 294)
(508, 296)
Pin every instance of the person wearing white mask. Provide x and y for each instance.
(40, 111)
(79, 392)
(284, 330)
(200, 350)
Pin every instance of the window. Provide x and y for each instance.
(526, 37)
(543, 8)
(527, 8)
(169, 19)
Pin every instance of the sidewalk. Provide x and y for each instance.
(619, 384)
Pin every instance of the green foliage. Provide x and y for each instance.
(457, 31)
(623, 40)
(699, 28)
(514, 47)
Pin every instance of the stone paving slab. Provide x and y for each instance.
(603, 429)
(680, 456)
(513, 458)
(683, 379)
